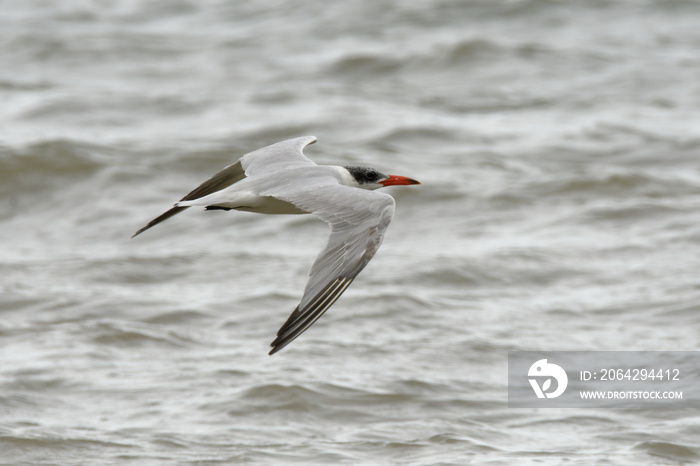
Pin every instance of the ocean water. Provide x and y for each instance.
(558, 146)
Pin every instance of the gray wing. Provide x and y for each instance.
(280, 156)
(277, 156)
(358, 220)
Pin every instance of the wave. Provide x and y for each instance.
(669, 450)
(130, 335)
(600, 182)
(364, 64)
(46, 163)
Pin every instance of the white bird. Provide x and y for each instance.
(279, 179)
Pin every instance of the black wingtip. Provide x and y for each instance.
(281, 341)
(164, 216)
(139, 232)
(300, 320)
(277, 346)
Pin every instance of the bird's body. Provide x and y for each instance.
(263, 193)
(279, 179)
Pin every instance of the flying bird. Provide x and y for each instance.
(280, 179)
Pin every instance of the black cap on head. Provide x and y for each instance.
(365, 175)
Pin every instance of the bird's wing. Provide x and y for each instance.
(280, 156)
(284, 154)
(358, 220)
(222, 179)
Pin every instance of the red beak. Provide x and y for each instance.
(395, 180)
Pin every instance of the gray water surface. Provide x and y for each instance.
(558, 147)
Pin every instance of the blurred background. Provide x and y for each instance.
(558, 146)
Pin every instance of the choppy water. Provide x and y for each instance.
(558, 146)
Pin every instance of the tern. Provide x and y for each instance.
(280, 179)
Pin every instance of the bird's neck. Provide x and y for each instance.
(343, 175)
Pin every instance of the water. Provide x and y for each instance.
(557, 144)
